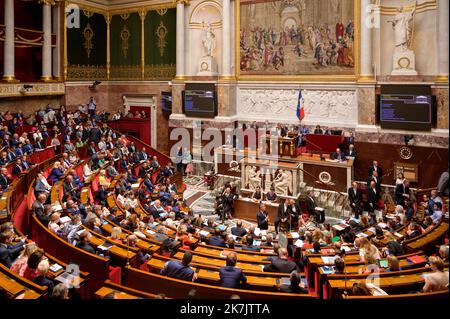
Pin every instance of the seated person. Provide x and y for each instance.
(281, 264)
(366, 289)
(41, 279)
(351, 153)
(249, 244)
(8, 251)
(295, 286)
(437, 214)
(257, 195)
(338, 155)
(230, 275)
(438, 279)
(85, 242)
(180, 269)
(271, 195)
(217, 239)
(238, 231)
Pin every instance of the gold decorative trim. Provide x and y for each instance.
(161, 33)
(423, 7)
(47, 79)
(125, 36)
(10, 79)
(86, 72)
(142, 15)
(125, 72)
(88, 34)
(88, 13)
(125, 16)
(160, 72)
(15, 89)
(162, 11)
(441, 79)
(168, 5)
(18, 36)
(108, 45)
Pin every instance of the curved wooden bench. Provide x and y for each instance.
(175, 288)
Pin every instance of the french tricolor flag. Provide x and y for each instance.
(300, 109)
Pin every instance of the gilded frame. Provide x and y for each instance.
(305, 77)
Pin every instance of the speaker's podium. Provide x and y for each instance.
(283, 146)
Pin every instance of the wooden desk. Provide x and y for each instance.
(12, 288)
(102, 292)
(283, 146)
(247, 209)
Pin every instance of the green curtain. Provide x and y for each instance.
(86, 48)
(125, 39)
(160, 44)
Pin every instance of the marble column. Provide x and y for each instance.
(8, 54)
(47, 45)
(56, 52)
(443, 35)
(180, 71)
(226, 39)
(366, 41)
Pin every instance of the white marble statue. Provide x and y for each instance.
(254, 178)
(282, 182)
(403, 27)
(208, 40)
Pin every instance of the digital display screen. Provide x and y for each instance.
(199, 103)
(166, 101)
(403, 110)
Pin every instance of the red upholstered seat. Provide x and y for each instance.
(115, 274)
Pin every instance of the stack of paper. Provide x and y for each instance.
(383, 225)
(55, 267)
(328, 260)
(338, 227)
(361, 235)
(204, 233)
(151, 232)
(295, 235)
(299, 243)
(65, 219)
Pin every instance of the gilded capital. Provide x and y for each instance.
(47, 2)
(185, 2)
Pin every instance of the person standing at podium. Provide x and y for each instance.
(318, 130)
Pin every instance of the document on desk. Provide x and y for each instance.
(294, 235)
(55, 267)
(361, 235)
(298, 243)
(204, 233)
(328, 259)
(105, 246)
(338, 227)
(65, 219)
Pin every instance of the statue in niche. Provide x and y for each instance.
(282, 183)
(403, 24)
(254, 178)
(208, 40)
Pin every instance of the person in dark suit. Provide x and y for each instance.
(401, 192)
(39, 145)
(281, 264)
(249, 245)
(238, 231)
(228, 203)
(123, 164)
(142, 155)
(376, 168)
(39, 209)
(296, 286)
(179, 269)
(91, 149)
(148, 183)
(85, 242)
(351, 153)
(338, 155)
(95, 134)
(55, 173)
(313, 209)
(350, 140)
(26, 165)
(41, 279)
(217, 240)
(283, 214)
(230, 275)
(375, 179)
(101, 195)
(143, 170)
(263, 218)
(318, 130)
(355, 199)
(373, 196)
(9, 252)
(4, 178)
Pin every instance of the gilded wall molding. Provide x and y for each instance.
(16, 89)
(86, 72)
(159, 72)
